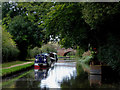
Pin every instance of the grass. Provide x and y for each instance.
(14, 69)
(32, 59)
(8, 64)
(66, 56)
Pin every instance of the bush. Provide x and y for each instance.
(48, 48)
(72, 53)
(86, 59)
(33, 52)
(44, 49)
(87, 53)
(9, 49)
(79, 52)
(110, 54)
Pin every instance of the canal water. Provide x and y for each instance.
(63, 74)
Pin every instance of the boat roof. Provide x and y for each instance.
(46, 54)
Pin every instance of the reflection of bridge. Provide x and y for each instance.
(63, 51)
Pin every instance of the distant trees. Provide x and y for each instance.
(48, 48)
(33, 52)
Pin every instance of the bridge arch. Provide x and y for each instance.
(66, 53)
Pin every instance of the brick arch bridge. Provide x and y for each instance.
(64, 52)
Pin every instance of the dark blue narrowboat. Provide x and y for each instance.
(42, 60)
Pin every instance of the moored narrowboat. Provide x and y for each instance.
(42, 60)
(53, 57)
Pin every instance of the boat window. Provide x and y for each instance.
(52, 55)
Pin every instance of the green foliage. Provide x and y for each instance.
(9, 49)
(71, 54)
(65, 21)
(33, 52)
(35, 12)
(95, 14)
(25, 35)
(76, 24)
(86, 59)
(110, 54)
(79, 52)
(48, 48)
(24, 24)
(104, 20)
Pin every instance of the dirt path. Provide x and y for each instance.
(16, 65)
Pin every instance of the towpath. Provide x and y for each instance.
(16, 65)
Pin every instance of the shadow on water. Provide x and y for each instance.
(64, 74)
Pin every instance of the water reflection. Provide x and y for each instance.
(95, 80)
(57, 75)
(41, 73)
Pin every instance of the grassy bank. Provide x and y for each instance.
(12, 70)
(8, 64)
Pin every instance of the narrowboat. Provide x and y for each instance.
(53, 57)
(42, 60)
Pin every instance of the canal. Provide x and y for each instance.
(64, 74)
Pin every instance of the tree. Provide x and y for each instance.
(104, 20)
(9, 49)
(65, 21)
(25, 34)
(23, 23)
(96, 24)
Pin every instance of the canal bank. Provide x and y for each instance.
(15, 68)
